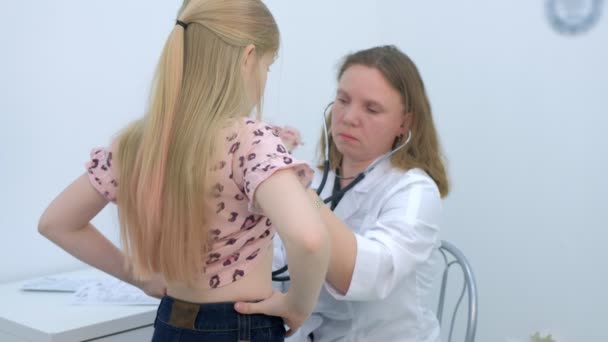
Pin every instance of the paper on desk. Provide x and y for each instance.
(57, 283)
(112, 291)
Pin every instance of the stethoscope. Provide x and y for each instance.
(276, 275)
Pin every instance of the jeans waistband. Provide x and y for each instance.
(211, 316)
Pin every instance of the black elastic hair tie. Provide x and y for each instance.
(181, 23)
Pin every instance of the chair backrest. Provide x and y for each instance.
(453, 256)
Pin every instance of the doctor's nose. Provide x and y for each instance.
(350, 116)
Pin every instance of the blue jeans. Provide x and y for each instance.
(180, 321)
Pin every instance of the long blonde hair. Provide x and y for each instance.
(423, 151)
(166, 158)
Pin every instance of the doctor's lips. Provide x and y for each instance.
(347, 137)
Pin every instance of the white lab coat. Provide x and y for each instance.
(394, 215)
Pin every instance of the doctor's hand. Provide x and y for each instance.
(290, 137)
(275, 305)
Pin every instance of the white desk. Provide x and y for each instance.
(49, 317)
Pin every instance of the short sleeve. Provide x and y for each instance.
(99, 169)
(263, 154)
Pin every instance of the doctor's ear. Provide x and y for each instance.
(408, 120)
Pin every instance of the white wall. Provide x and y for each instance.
(72, 73)
(523, 116)
(519, 109)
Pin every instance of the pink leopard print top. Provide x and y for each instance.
(253, 151)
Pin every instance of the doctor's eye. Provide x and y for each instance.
(341, 100)
(373, 110)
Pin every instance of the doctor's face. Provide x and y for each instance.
(367, 115)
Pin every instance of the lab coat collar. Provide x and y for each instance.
(351, 202)
(372, 178)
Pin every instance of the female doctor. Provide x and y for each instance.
(383, 201)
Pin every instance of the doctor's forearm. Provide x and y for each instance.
(343, 250)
